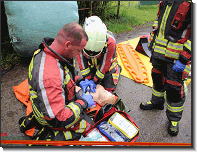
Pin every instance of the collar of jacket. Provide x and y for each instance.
(170, 3)
(48, 41)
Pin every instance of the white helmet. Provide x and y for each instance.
(96, 31)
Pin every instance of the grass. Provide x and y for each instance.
(9, 60)
(130, 15)
(9, 57)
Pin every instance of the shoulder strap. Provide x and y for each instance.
(105, 111)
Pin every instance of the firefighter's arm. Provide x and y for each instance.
(83, 66)
(185, 55)
(77, 78)
(182, 65)
(155, 24)
(107, 61)
(58, 114)
(155, 28)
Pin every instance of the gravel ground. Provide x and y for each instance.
(152, 124)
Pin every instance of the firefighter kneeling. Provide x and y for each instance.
(98, 60)
(58, 113)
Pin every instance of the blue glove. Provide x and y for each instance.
(89, 99)
(178, 66)
(86, 83)
(92, 86)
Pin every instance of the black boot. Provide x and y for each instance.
(173, 128)
(150, 106)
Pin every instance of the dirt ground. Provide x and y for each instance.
(152, 124)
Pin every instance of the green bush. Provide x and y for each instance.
(130, 14)
(9, 57)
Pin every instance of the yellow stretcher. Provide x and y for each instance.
(145, 59)
(132, 63)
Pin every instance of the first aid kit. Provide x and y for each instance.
(115, 125)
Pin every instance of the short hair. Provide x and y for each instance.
(72, 32)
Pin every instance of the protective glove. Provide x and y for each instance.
(92, 86)
(86, 83)
(89, 99)
(178, 66)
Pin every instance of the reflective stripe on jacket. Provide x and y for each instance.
(52, 91)
(171, 37)
(103, 63)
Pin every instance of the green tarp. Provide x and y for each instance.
(30, 21)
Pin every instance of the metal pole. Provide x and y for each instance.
(118, 9)
(90, 8)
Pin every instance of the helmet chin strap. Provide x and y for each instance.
(57, 54)
(91, 55)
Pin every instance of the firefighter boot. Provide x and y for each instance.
(173, 128)
(150, 106)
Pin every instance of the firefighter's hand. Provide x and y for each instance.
(89, 99)
(178, 66)
(85, 84)
(92, 86)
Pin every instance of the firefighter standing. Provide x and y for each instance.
(98, 60)
(52, 86)
(170, 43)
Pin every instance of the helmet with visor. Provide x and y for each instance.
(96, 31)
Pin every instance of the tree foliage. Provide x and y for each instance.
(99, 8)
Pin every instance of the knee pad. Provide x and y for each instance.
(158, 79)
(174, 91)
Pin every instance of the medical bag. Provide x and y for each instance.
(112, 125)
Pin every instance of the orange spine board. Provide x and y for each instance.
(133, 63)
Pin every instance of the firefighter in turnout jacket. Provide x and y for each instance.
(52, 79)
(170, 44)
(98, 60)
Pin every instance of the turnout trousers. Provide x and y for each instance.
(168, 85)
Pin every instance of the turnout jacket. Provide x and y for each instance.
(170, 39)
(105, 62)
(52, 90)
